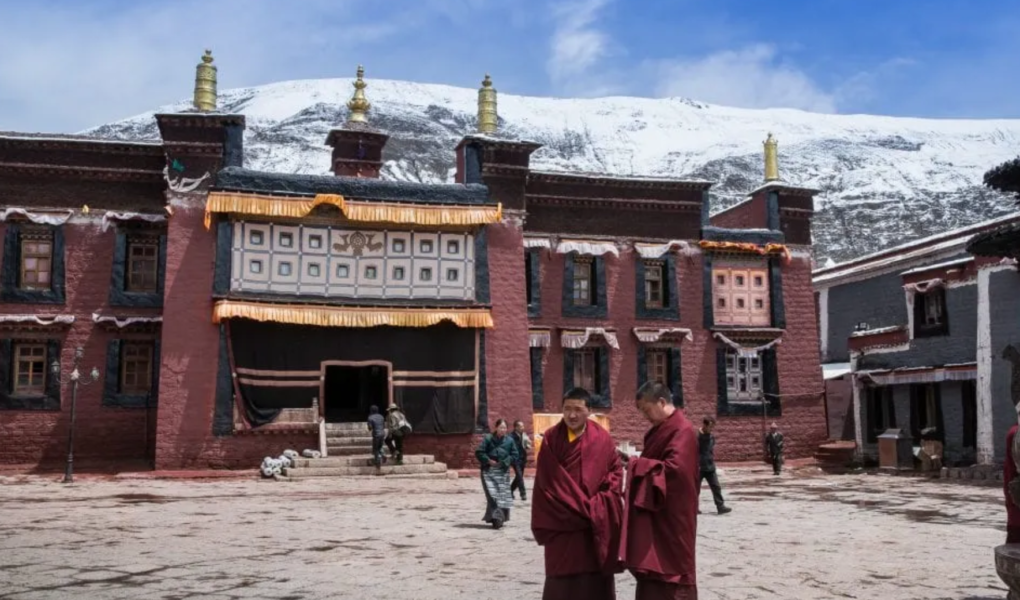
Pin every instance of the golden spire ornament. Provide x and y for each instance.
(358, 104)
(488, 120)
(205, 84)
(771, 159)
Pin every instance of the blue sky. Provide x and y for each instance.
(70, 64)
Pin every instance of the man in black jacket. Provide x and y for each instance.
(706, 454)
(774, 446)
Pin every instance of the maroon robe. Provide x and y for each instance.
(662, 517)
(1009, 473)
(577, 511)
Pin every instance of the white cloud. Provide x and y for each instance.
(577, 44)
(751, 77)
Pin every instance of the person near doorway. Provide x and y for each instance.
(496, 455)
(774, 447)
(577, 505)
(523, 443)
(662, 494)
(706, 454)
(396, 428)
(377, 427)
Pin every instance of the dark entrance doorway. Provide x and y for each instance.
(348, 391)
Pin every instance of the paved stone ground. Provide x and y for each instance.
(804, 535)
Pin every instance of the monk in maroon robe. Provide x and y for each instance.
(1009, 474)
(577, 505)
(662, 489)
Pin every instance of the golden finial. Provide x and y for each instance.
(358, 104)
(487, 118)
(205, 84)
(771, 159)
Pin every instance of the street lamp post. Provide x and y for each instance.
(74, 379)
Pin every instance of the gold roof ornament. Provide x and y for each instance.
(771, 159)
(488, 119)
(358, 104)
(205, 84)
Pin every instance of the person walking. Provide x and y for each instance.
(774, 446)
(377, 427)
(396, 428)
(523, 443)
(706, 460)
(496, 454)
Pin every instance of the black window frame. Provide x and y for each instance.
(921, 330)
(536, 356)
(674, 370)
(49, 400)
(112, 395)
(10, 274)
(602, 397)
(533, 282)
(880, 411)
(670, 311)
(120, 296)
(597, 287)
(770, 387)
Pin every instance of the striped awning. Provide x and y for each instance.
(342, 316)
(964, 372)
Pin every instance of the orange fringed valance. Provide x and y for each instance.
(747, 247)
(338, 316)
(363, 212)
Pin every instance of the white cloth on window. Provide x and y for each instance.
(578, 339)
(587, 248)
(55, 217)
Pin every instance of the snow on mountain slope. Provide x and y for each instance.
(883, 180)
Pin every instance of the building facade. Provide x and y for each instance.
(914, 326)
(232, 312)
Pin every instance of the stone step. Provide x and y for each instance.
(349, 450)
(388, 469)
(350, 441)
(363, 460)
(336, 427)
(432, 476)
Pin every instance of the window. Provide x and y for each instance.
(969, 399)
(286, 240)
(529, 293)
(657, 362)
(371, 272)
(881, 412)
(283, 269)
(255, 238)
(343, 271)
(655, 289)
(426, 274)
(582, 283)
(930, 318)
(315, 241)
(398, 273)
(29, 369)
(36, 260)
(143, 265)
(452, 274)
(426, 246)
(740, 296)
(924, 410)
(314, 269)
(743, 377)
(398, 245)
(135, 368)
(453, 247)
(255, 266)
(585, 367)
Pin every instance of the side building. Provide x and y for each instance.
(910, 328)
(234, 312)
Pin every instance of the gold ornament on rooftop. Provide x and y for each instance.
(488, 120)
(771, 159)
(358, 104)
(205, 84)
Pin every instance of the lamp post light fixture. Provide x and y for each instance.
(75, 379)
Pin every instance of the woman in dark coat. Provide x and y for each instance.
(496, 455)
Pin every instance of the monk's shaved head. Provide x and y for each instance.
(653, 391)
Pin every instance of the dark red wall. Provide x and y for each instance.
(751, 214)
(32, 437)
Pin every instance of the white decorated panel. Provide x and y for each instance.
(328, 261)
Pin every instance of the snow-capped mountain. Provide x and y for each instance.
(883, 180)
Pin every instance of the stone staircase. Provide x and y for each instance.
(835, 456)
(349, 454)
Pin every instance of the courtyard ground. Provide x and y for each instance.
(803, 535)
